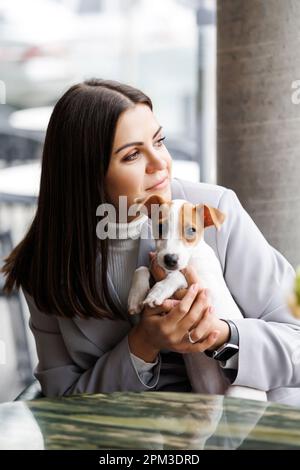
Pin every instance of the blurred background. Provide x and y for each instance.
(165, 47)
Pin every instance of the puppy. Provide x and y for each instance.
(178, 227)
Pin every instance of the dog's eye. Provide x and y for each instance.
(190, 232)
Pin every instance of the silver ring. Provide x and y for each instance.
(190, 339)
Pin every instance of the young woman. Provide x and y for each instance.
(103, 141)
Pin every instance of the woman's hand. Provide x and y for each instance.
(167, 326)
(207, 322)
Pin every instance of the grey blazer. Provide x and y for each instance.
(92, 355)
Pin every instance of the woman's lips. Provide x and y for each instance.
(161, 184)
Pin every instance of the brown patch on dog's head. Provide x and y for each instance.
(194, 219)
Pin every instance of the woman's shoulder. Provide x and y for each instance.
(38, 318)
(197, 192)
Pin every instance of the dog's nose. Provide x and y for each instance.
(170, 260)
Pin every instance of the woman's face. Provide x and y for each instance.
(139, 158)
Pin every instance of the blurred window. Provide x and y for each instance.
(90, 6)
(164, 47)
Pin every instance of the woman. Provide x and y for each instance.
(103, 142)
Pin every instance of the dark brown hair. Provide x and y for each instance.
(56, 261)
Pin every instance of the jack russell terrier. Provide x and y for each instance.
(178, 228)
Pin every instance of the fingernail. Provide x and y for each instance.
(211, 309)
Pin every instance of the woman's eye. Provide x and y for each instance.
(131, 157)
(159, 143)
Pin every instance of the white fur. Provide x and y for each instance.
(208, 268)
(139, 289)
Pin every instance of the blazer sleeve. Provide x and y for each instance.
(60, 375)
(258, 277)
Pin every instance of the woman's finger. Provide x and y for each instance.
(185, 304)
(201, 330)
(195, 313)
(191, 277)
(201, 346)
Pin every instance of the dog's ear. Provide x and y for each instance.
(210, 216)
(213, 216)
(145, 204)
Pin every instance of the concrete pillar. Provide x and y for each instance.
(258, 124)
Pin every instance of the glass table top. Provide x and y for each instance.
(148, 420)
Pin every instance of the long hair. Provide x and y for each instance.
(56, 261)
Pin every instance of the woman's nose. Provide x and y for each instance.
(155, 162)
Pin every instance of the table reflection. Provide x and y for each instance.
(148, 420)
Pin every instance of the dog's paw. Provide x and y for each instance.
(135, 302)
(135, 306)
(155, 297)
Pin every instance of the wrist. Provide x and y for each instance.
(140, 347)
(224, 335)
